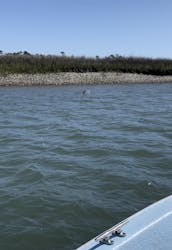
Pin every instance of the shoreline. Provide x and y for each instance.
(73, 78)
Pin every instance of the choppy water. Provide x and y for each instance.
(72, 165)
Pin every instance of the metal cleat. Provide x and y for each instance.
(106, 236)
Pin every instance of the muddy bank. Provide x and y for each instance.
(79, 79)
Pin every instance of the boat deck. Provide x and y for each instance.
(150, 228)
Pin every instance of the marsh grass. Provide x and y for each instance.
(28, 63)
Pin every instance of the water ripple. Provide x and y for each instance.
(72, 166)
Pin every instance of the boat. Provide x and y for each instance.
(148, 229)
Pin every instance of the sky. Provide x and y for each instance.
(87, 27)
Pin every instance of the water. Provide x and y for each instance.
(73, 165)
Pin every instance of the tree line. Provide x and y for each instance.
(24, 62)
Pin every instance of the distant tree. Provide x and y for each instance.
(26, 53)
(118, 56)
(62, 53)
(19, 53)
(1, 52)
(111, 56)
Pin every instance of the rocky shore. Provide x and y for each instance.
(72, 78)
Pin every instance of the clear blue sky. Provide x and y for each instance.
(87, 27)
